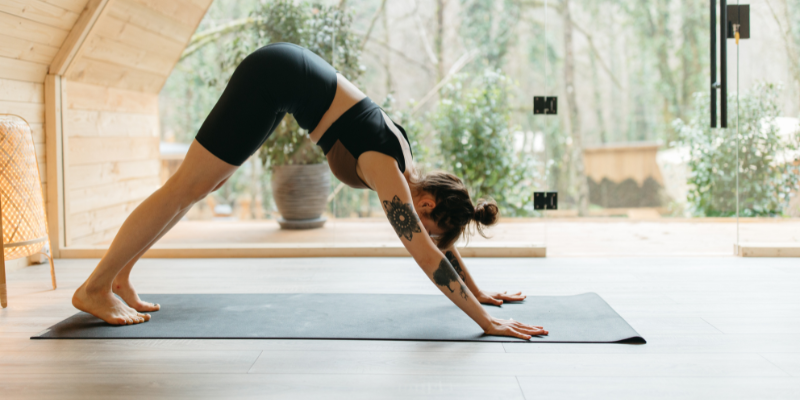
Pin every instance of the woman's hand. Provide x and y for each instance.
(496, 298)
(509, 327)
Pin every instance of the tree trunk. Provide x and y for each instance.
(598, 100)
(691, 61)
(578, 177)
(387, 55)
(440, 5)
(791, 41)
(660, 31)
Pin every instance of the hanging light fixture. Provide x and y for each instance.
(23, 221)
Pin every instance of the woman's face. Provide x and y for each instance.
(423, 205)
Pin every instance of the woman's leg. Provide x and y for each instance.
(122, 285)
(199, 174)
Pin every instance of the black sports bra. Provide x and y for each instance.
(364, 127)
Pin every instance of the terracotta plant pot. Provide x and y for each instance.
(301, 193)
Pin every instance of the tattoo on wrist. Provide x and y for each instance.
(402, 217)
(446, 275)
(454, 261)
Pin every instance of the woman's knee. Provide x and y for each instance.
(220, 184)
(187, 193)
(200, 174)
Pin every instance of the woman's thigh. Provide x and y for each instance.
(200, 172)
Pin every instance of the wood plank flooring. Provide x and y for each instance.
(717, 327)
(568, 237)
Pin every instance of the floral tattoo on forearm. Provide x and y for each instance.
(445, 275)
(402, 217)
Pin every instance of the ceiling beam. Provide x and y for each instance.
(78, 34)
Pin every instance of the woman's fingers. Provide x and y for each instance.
(517, 329)
(511, 297)
(534, 330)
(530, 331)
(521, 335)
(517, 323)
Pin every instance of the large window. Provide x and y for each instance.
(630, 151)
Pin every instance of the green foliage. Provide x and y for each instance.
(470, 134)
(793, 9)
(313, 26)
(475, 139)
(186, 99)
(489, 25)
(766, 179)
(421, 142)
(668, 45)
(290, 145)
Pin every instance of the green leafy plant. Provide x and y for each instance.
(325, 30)
(766, 181)
(475, 140)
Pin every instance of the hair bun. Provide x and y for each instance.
(486, 212)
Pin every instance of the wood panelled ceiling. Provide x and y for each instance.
(135, 44)
(126, 44)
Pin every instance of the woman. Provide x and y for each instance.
(365, 149)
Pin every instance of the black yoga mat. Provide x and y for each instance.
(581, 318)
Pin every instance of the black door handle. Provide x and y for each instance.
(722, 85)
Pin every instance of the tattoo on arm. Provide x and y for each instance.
(402, 217)
(454, 261)
(445, 275)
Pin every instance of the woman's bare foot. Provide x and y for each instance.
(106, 306)
(124, 289)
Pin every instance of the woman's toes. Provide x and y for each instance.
(144, 317)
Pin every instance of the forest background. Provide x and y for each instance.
(625, 71)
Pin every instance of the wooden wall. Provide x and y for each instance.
(620, 162)
(111, 141)
(31, 33)
(107, 61)
(110, 111)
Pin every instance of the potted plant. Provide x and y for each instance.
(300, 176)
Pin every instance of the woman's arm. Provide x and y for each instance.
(495, 298)
(382, 174)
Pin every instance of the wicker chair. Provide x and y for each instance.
(22, 215)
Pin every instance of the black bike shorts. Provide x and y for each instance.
(274, 80)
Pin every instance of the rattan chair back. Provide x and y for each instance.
(21, 202)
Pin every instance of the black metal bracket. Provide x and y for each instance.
(733, 19)
(545, 200)
(545, 105)
(739, 20)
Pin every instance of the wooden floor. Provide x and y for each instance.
(563, 237)
(717, 328)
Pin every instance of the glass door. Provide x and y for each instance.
(764, 70)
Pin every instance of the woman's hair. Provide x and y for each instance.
(454, 210)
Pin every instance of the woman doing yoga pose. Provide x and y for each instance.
(364, 148)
